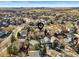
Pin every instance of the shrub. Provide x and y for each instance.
(77, 49)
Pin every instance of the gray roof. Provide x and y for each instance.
(23, 33)
(45, 40)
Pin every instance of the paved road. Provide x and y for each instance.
(34, 54)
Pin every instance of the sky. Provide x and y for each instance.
(39, 3)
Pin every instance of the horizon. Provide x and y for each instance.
(50, 4)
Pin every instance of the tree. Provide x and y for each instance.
(37, 47)
(31, 23)
(13, 50)
(46, 18)
(42, 51)
(13, 39)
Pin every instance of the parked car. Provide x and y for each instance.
(4, 33)
(4, 24)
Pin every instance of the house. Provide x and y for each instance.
(0, 24)
(72, 39)
(60, 34)
(47, 42)
(69, 37)
(33, 42)
(72, 30)
(57, 46)
(22, 34)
